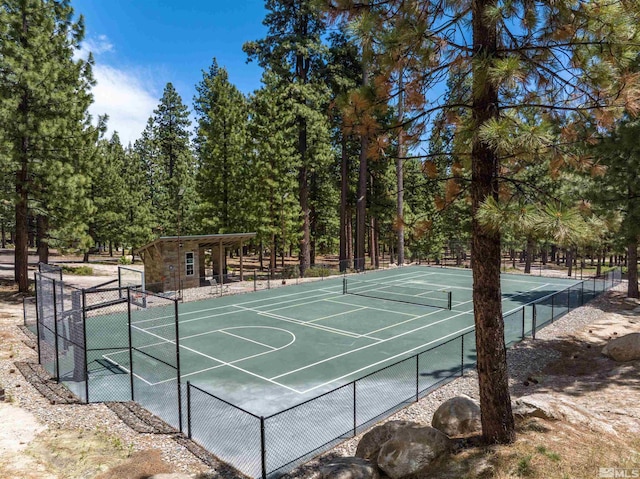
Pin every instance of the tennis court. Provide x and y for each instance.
(269, 379)
(269, 350)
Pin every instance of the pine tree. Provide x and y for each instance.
(220, 147)
(44, 95)
(619, 189)
(165, 148)
(293, 52)
(272, 150)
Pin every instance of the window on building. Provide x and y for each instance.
(189, 264)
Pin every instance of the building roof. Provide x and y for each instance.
(204, 241)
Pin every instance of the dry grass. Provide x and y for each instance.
(544, 450)
(139, 465)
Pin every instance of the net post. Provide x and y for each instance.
(55, 330)
(263, 448)
(130, 343)
(344, 285)
(179, 385)
(189, 409)
(83, 306)
(355, 414)
(449, 294)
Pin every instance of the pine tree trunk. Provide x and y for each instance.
(349, 238)
(495, 402)
(632, 268)
(363, 176)
(400, 174)
(569, 261)
(344, 196)
(528, 256)
(21, 253)
(42, 232)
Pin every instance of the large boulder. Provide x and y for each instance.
(412, 450)
(370, 444)
(349, 468)
(457, 416)
(624, 348)
(555, 408)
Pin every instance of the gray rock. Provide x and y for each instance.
(554, 408)
(624, 348)
(370, 444)
(412, 450)
(349, 468)
(457, 416)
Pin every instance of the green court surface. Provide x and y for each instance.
(269, 350)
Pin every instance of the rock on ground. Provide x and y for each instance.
(457, 416)
(349, 468)
(624, 348)
(412, 450)
(370, 444)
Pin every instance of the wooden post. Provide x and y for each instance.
(241, 271)
(221, 265)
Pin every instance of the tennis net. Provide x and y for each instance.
(398, 292)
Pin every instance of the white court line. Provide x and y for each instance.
(386, 340)
(128, 370)
(247, 339)
(375, 309)
(225, 363)
(337, 314)
(369, 345)
(388, 359)
(303, 323)
(244, 358)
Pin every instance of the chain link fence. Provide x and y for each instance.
(263, 446)
(114, 344)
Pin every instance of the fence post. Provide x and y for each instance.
(55, 329)
(462, 356)
(344, 285)
(255, 280)
(581, 293)
(36, 282)
(534, 319)
(417, 377)
(553, 297)
(189, 409)
(178, 364)
(355, 410)
(130, 343)
(263, 448)
(523, 327)
(83, 306)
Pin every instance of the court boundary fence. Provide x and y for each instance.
(266, 446)
(74, 345)
(259, 446)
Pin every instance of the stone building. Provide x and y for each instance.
(173, 263)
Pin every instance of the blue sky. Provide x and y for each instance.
(141, 45)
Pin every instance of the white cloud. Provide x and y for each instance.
(127, 100)
(125, 95)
